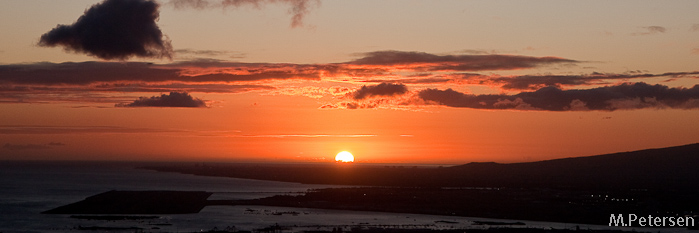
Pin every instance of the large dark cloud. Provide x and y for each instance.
(113, 29)
(383, 89)
(174, 99)
(298, 10)
(432, 62)
(609, 98)
(204, 70)
(196, 72)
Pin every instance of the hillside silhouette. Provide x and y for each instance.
(672, 167)
(666, 168)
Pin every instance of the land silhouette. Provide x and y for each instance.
(664, 168)
(658, 182)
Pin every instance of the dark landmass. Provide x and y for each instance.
(113, 217)
(537, 204)
(490, 230)
(670, 169)
(137, 202)
(98, 228)
(659, 182)
(365, 229)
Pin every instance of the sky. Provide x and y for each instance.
(421, 82)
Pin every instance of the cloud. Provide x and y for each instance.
(650, 30)
(695, 51)
(393, 73)
(174, 99)
(298, 8)
(311, 91)
(210, 53)
(194, 72)
(46, 129)
(608, 98)
(533, 82)
(383, 89)
(695, 27)
(9, 146)
(421, 61)
(113, 30)
(376, 64)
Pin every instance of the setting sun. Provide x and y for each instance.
(344, 157)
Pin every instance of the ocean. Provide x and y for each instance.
(29, 188)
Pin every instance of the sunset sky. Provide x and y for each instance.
(438, 82)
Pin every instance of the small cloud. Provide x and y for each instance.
(298, 8)
(695, 28)
(210, 53)
(113, 30)
(383, 89)
(650, 30)
(174, 99)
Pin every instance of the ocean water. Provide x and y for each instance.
(29, 188)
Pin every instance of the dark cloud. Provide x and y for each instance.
(383, 89)
(651, 30)
(609, 98)
(430, 62)
(533, 82)
(195, 72)
(113, 29)
(9, 146)
(182, 87)
(298, 8)
(174, 99)
(207, 70)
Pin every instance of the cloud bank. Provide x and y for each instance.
(174, 99)
(113, 30)
(393, 73)
(421, 61)
(608, 98)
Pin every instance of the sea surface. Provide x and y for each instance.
(29, 188)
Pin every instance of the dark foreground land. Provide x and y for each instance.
(137, 202)
(660, 182)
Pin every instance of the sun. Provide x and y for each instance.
(344, 157)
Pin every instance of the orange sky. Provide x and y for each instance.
(416, 81)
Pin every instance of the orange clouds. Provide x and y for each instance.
(394, 71)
